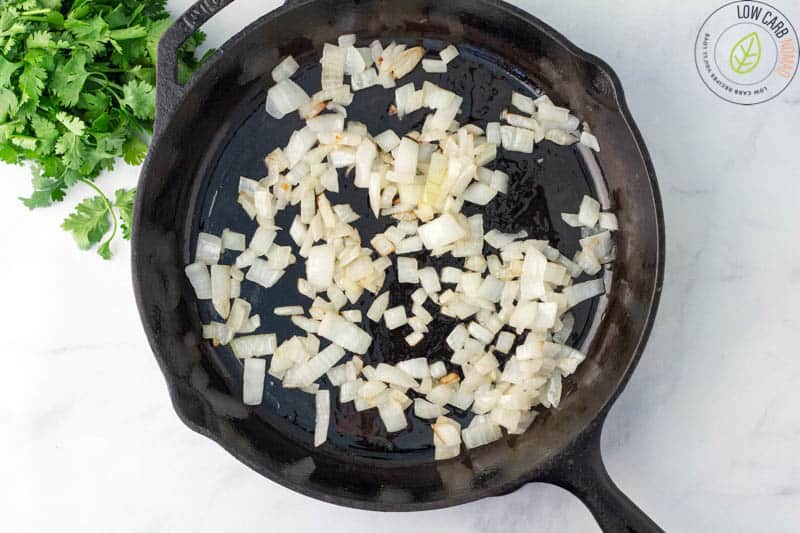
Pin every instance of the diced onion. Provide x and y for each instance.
(434, 66)
(283, 98)
(254, 345)
(395, 317)
(240, 311)
(322, 402)
(392, 416)
(346, 334)
(253, 381)
(233, 241)
(378, 307)
(200, 279)
(319, 266)
(388, 140)
(416, 368)
(313, 369)
(523, 103)
(285, 69)
(221, 289)
(517, 139)
(407, 271)
(364, 80)
(609, 221)
(252, 324)
(587, 139)
(441, 232)
(427, 410)
(584, 291)
(261, 273)
(448, 54)
(446, 438)
(209, 248)
(480, 194)
(288, 310)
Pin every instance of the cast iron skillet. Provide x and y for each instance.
(213, 130)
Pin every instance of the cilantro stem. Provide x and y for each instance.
(100, 69)
(36, 12)
(110, 207)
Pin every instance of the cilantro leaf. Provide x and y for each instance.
(46, 132)
(89, 222)
(140, 99)
(8, 154)
(31, 82)
(7, 69)
(24, 142)
(134, 151)
(68, 80)
(95, 104)
(40, 39)
(8, 103)
(92, 33)
(71, 122)
(45, 191)
(72, 149)
(123, 201)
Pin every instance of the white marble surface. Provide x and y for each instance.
(705, 438)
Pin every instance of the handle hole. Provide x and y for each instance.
(222, 27)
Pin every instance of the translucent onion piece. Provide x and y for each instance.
(285, 69)
(434, 66)
(448, 54)
(392, 415)
(441, 232)
(523, 103)
(221, 289)
(427, 410)
(240, 312)
(288, 310)
(609, 221)
(395, 317)
(346, 334)
(253, 381)
(254, 345)
(590, 140)
(209, 248)
(283, 98)
(322, 402)
(320, 266)
(333, 60)
(378, 307)
(200, 279)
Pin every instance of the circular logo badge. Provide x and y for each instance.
(747, 52)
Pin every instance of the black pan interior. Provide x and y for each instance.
(550, 181)
(221, 132)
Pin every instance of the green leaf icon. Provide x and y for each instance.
(746, 54)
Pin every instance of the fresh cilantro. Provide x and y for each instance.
(77, 92)
(90, 221)
(123, 201)
(134, 151)
(68, 80)
(31, 82)
(140, 98)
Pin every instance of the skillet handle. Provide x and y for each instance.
(169, 91)
(583, 473)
